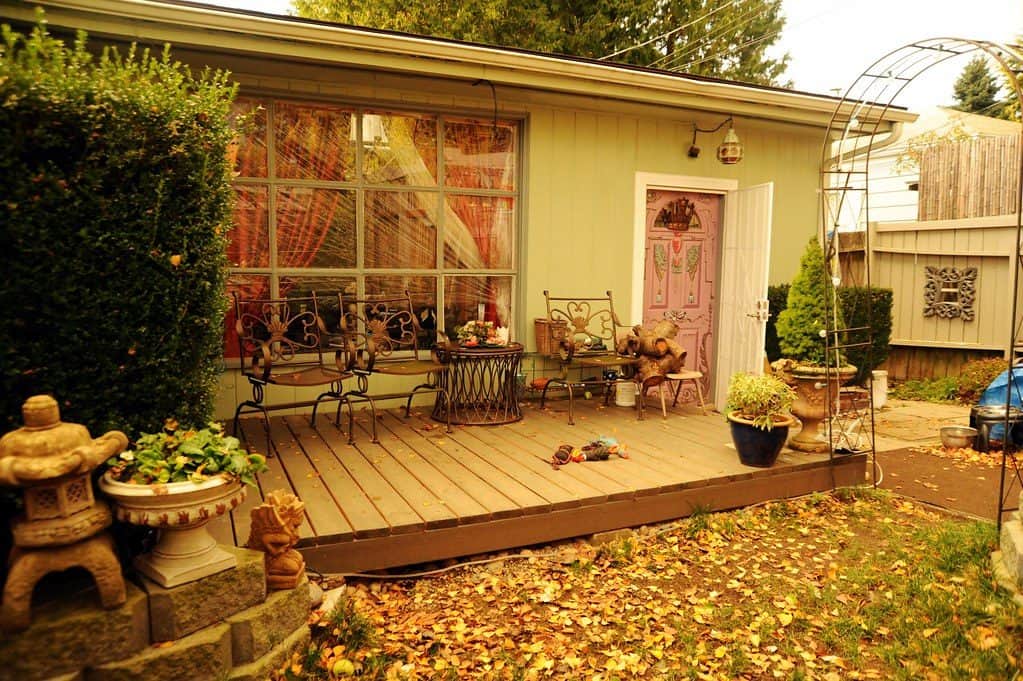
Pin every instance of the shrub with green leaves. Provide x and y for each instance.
(777, 299)
(178, 454)
(759, 399)
(942, 389)
(807, 310)
(113, 217)
(976, 376)
(869, 309)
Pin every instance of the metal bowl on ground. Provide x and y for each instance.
(957, 437)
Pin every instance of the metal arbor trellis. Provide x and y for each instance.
(851, 137)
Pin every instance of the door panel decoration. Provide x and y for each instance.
(682, 231)
(678, 216)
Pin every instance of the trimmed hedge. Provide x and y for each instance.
(863, 307)
(853, 300)
(778, 300)
(113, 218)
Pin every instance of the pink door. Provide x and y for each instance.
(682, 231)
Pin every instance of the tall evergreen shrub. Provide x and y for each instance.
(804, 317)
(115, 204)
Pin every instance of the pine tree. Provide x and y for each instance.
(800, 324)
(976, 90)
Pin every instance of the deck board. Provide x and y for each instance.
(489, 500)
(430, 487)
(358, 509)
(423, 494)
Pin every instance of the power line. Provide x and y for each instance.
(668, 33)
(744, 19)
(730, 49)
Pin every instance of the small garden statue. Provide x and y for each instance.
(63, 525)
(275, 532)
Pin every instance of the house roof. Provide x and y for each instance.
(944, 119)
(217, 29)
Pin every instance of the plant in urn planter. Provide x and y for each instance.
(758, 416)
(176, 481)
(809, 364)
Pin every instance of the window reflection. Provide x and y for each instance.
(311, 142)
(466, 296)
(480, 232)
(400, 229)
(332, 198)
(480, 154)
(315, 227)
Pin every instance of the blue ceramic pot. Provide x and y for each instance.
(758, 447)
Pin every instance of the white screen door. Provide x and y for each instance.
(745, 258)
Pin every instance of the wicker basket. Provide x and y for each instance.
(546, 332)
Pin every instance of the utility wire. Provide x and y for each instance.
(723, 53)
(672, 31)
(720, 32)
(716, 32)
(737, 23)
(737, 27)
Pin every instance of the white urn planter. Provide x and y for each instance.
(185, 550)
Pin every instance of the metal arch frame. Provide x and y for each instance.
(857, 119)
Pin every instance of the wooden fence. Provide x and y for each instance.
(924, 344)
(969, 178)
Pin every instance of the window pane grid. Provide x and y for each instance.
(370, 199)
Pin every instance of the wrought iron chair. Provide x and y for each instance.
(382, 335)
(585, 336)
(282, 342)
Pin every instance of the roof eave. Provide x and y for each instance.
(219, 29)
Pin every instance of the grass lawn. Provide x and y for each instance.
(855, 585)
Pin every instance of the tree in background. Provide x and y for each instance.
(718, 38)
(721, 39)
(976, 90)
(1011, 110)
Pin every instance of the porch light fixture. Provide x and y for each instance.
(730, 150)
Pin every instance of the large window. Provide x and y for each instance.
(363, 201)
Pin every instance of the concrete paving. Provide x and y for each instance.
(905, 423)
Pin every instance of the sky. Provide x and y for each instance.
(832, 42)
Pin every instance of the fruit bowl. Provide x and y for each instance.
(957, 437)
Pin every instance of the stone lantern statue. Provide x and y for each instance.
(63, 525)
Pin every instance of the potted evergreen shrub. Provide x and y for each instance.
(815, 371)
(758, 415)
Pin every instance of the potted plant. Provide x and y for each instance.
(758, 415)
(816, 371)
(176, 481)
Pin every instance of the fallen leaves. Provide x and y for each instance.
(808, 588)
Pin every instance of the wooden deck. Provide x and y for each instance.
(422, 494)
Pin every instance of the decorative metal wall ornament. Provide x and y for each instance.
(950, 292)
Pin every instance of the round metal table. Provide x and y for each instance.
(481, 383)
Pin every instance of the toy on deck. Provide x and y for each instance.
(600, 449)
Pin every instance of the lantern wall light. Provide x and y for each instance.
(729, 151)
